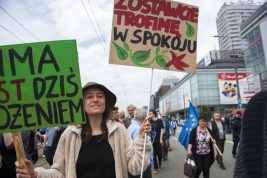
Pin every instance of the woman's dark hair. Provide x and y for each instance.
(115, 108)
(202, 118)
(87, 130)
(153, 111)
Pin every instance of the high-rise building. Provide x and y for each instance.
(228, 21)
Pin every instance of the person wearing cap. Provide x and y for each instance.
(236, 126)
(133, 130)
(99, 148)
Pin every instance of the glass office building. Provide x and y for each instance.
(205, 90)
(254, 40)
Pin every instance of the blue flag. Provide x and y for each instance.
(190, 123)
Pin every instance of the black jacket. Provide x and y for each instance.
(236, 126)
(215, 130)
(226, 121)
(193, 141)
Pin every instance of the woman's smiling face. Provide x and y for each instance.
(94, 101)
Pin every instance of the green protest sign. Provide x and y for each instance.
(40, 86)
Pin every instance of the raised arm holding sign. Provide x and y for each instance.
(154, 34)
(39, 87)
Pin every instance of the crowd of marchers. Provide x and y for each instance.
(112, 145)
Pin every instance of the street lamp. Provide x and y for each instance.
(236, 75)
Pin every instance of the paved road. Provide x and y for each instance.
(173, 168)
(41, 161)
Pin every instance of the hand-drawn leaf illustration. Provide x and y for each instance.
(190, 32)
(126, 46)
(157, 50)
(162, 62)
(141, 56)
(121, 53)
(164, 52)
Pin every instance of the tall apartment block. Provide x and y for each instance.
(228, 21)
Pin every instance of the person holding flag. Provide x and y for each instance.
(201, 148)
(193, 136)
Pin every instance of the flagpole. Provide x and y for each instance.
(214, 144)
(144, 149)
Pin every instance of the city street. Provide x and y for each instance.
(41, 161)
(174, 167)
(117, 63)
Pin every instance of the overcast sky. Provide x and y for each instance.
(50, 20)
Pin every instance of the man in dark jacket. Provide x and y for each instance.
(166, 134)
(218, 131)
(236, 126)
(157, 138)
(226, 123)
(131, 108)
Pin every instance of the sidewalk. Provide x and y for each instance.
(41, 161)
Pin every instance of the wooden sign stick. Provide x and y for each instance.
(19, 150)
(214, 144)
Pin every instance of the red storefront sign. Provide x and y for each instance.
(231, 76)
(255, 43)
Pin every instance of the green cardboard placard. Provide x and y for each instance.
(40, 86)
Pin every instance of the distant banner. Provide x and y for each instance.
(40, 86)
(228, 88)
(154, 34)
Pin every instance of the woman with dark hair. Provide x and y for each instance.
(99, 148)
(201, 148)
